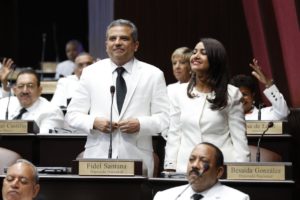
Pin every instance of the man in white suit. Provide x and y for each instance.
(67, 85)
(205, 167)
(144, 112)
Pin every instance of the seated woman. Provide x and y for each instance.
(279, 109)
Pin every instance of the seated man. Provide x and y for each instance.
(28, 105)
(66, 86)
(21, 181)
(204, 169)
(66, 68)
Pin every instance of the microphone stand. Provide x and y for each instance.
(205, 168)
(259, 111)
(44, 36)
(270, 124)
(9, 92)
(112, 91)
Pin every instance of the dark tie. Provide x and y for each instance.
(121, 88)
(19, 116)
(197, 196)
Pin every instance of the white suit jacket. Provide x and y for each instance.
(278, 111)
(218, 192)
(192, 121)
(46, 115)
(146, 100)
(65, 89)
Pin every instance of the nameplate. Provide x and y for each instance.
(109, 167)
(48, 67)
(49, 87)
(258, 127)
(18, 127)
(257, 171)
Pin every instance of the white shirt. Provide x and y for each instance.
(65, 89)
(46, 115)
(64, 68)
(216, 192)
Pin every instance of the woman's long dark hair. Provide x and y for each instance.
(217, 77)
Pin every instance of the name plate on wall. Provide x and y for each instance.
(258, 127)
(259, 171)
(18, 126)
(109, 167)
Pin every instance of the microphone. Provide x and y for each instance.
(270, 124)
(9, 92)
(112, 92)
(44, 37)
(259, 111)
(199, 174)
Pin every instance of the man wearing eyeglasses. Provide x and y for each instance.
(66, 86)
(21, 181)
(27, 104)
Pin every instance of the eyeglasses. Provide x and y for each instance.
(29, 86)
(23, 180)
(84, 64)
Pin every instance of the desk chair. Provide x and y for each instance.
(266, 155)
(7, 158)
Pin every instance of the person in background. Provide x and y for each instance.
(279, 109)
(66, 68)
(204, 169)
(21, 181)
(140, 106)
(5, 70)
(29, 105)
(66, 86)
(206, 109)
(180, 60)
(181, 67)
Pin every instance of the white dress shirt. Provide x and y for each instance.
(46, 115)
(64, 68)
(217, 192)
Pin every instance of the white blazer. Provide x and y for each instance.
(278, 111)
(146, 100)
(192, 121)
(218, 191)
(65, 89)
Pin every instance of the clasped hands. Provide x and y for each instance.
(131, 125)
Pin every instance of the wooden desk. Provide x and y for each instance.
(60, 149)
(62, 187)
(281, 144)
(46, 149)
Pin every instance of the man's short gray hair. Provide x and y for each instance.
(125, 22)
(34, 169)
